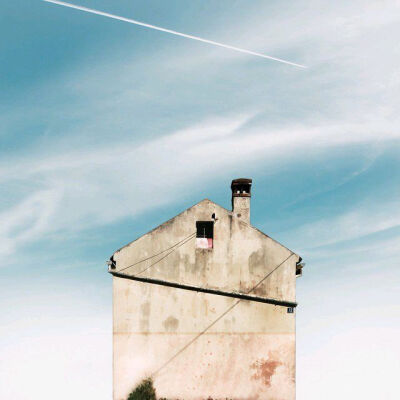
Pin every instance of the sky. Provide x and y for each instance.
(109, 129)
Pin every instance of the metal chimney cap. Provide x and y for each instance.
(241, 181)
(241, 187)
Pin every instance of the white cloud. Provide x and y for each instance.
(56, 342)
(358, 222)
(75, 366)
(28, 220)
(348, 97)
(95, 186)
(350, 358)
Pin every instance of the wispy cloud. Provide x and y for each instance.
(117, 122)
(28, 220)
(80, 176)
(96, 186)
(359, 222)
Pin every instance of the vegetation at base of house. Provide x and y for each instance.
(145, 391)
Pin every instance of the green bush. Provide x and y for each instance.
(145, 391)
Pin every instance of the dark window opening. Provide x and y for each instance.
(204, 234)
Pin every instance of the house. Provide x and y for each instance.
(204, 304)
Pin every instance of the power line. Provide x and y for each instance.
(155, 255)
(218, 318)
(158, 28)
(162, 258)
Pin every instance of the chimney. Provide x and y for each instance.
(241, 194)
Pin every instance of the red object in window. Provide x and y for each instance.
(204, 243)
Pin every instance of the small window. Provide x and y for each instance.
(204, 234)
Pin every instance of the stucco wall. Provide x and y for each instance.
(241, 256)
(248, 354)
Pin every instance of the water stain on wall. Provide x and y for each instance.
(171, 324)
(264, 370)
(257, 262)
(144, 316)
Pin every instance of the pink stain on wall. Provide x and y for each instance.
(265, 368)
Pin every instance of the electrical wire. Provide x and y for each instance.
(155, 255)
(162, 258)
(172, 249)
(218, 318)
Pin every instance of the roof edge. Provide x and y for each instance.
(168, 221)
(196, 204)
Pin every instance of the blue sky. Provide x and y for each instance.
(108, 129)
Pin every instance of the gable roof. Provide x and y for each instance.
(229, 212)
(241, 256)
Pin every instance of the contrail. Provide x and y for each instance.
(158, 28)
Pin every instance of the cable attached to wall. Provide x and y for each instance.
(219, 318)
(162, 258)
(174, 247)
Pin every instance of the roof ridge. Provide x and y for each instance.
(166, 222)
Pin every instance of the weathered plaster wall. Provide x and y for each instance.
(241, 208)
(248, 354)
(241, 256)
